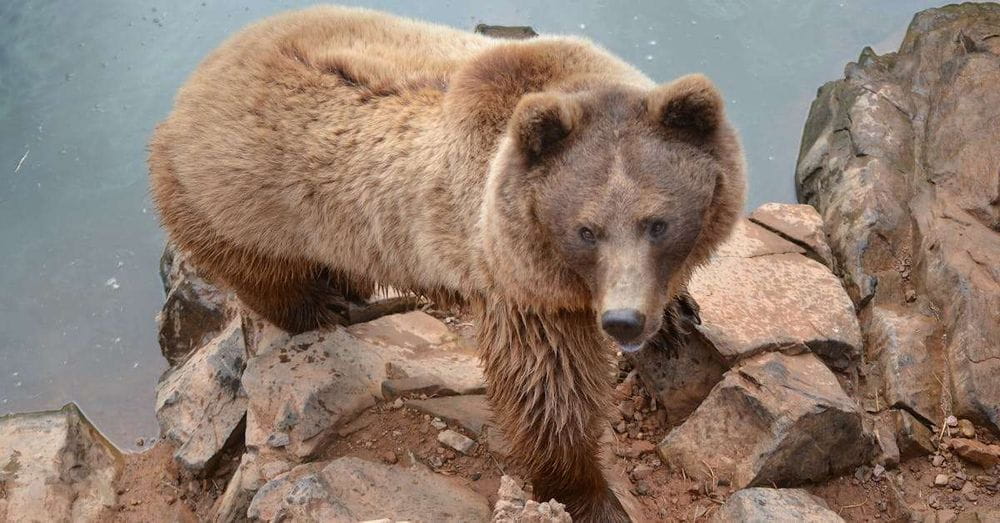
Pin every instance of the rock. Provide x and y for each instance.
(937, 460)
(971, 450)
(55, 466)
(902, 344)
(785, 301)
(799, 224)
(515, 32)
(471, 413)
(885, 437)
(244, 483)
(951, 421)
(310, 385)
(306, 387)
(900, 159)
(200, 405)
(513, 506)
(941, 480)
(775, 505)
(195, 311)
(456, 441)
(966, 428)
(416, 344)
(776, 419)
(352, 489)
(912, 437)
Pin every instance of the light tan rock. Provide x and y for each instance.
(55, 466)
(759, 293)
(201, 403)
(775, 505)
(302, 389)
(798, 223)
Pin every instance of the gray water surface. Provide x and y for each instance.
(83, 83)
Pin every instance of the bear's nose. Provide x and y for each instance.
(624, 325)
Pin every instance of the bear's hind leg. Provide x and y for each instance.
(304, 296)
(293, 293)
(549, 379)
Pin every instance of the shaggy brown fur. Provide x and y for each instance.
(543, 181)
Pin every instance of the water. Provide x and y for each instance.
(81, 87)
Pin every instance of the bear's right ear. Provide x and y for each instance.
(690, 104)
(541, 121)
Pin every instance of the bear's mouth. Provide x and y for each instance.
(631, 347)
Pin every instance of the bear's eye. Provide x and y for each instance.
(587, 235)
(657, 229)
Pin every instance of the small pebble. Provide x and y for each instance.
(389, 457)
(966, 429)
(951, 421)
(456, 441)
(937, 460)
(941, 480)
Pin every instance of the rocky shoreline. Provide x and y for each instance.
(844, 367)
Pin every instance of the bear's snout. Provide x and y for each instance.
(625, 326)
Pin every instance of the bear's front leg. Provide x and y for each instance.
(549, 379)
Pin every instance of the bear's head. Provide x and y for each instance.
(607, 199)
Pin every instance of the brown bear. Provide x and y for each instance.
(551, 186)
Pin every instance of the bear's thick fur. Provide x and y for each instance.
(544, 182)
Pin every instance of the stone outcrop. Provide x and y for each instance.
(55, 466)
(902, 159)
(774, 420)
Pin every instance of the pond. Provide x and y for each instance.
(81, 89)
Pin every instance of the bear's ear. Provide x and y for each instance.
(690, 104)
(541, 121)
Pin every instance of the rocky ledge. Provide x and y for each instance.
(844, 366)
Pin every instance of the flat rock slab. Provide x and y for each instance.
(774, 301)
(775, 505)
(200, 405)
(302, 388)
(352, 489)
(471, 413)
(55, 466)
(776, 419)
(798, 223)
(977, 452)
(783, 300)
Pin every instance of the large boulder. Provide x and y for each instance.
(352, 489)
(302, 388)
(200, 405)
(775, 505)
(55, 466)
(901, 158)
(774, 420)
(799, 224)
(783, 300)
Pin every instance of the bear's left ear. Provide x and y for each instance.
(690, 104)
(541, 122)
